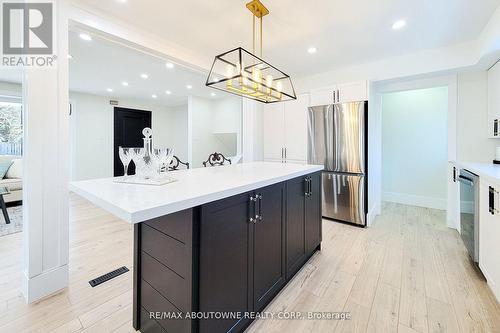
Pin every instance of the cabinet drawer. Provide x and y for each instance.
(149, 325)
(152, 301)
(170, 285)
(176, 225)
(167, 250)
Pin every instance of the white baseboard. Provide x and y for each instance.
(415, 200)
(372, 214)
(45, 284)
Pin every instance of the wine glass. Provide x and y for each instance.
(125, 157)
(162, 158)
(138, 158)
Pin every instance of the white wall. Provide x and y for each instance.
(473, 143)
(92, 132)
(216, 127)
(414, 147)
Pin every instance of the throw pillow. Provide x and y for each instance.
(4, 167)
(16, 169)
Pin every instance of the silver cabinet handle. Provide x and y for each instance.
(260, 216)
(310, 186)
(253, 218)
(334, 96)
(495, 203)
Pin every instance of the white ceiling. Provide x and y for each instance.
(344, 32)
(100, 64)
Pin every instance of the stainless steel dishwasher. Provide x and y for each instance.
(469, 212)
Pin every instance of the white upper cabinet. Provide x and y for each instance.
(352, 92)
(274, 131)
(340, 93)
(494, 101)
(322, 97)
(296, 129)
(285, 130)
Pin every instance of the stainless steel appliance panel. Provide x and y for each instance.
(344, 197)
(469, 212)
(349, 137)
(320, 136)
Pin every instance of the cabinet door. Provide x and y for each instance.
(322, 97)
(353, 92)
(224, 278)
(493, 99)
(295, 225)
(269, 251)
(489, 229)
(296, 128)
(313, 214)
(274, 131)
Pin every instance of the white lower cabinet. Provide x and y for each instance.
(489, 234)
(285, 131)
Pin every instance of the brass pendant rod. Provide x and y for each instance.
(261, 37)
(253, 34)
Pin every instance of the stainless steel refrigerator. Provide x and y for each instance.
(337, 139)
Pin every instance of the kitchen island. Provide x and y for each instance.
(219, 241)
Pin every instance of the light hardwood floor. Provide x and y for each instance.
(408, 273)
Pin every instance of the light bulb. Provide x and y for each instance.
(269, 81)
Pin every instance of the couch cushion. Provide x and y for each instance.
(12, 184)
(16, 169)
(4, 167)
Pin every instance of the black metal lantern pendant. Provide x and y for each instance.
(243, 73)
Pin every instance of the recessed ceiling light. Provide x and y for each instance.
(154, 96)
(144, 76)
(121, 1)
(70, 56)
(125, 83)
(168, 92)
(169, 65)
(312, 50)
(189, 86)
(85, 37)
(213, 94)
(398, 24)
(109, 90)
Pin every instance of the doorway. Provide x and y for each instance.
(128, 126)
(415, 147)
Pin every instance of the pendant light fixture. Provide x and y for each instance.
(244, 74)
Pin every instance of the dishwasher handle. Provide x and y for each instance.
(465, 180)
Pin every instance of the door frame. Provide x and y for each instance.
(375, 133)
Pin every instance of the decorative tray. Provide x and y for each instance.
(143, 181)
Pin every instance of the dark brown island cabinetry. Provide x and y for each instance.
(228, 258)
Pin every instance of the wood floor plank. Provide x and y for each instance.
(441, 317)
(384, 311)
(408, 272)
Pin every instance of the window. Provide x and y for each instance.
(11, 128)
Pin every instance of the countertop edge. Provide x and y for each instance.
(473, 167)
(117, 211)
(150, 213)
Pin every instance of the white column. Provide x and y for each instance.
(46, 171)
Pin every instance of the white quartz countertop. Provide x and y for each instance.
(136, 203)
(487, 170)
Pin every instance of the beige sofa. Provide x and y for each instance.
(13, 179)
